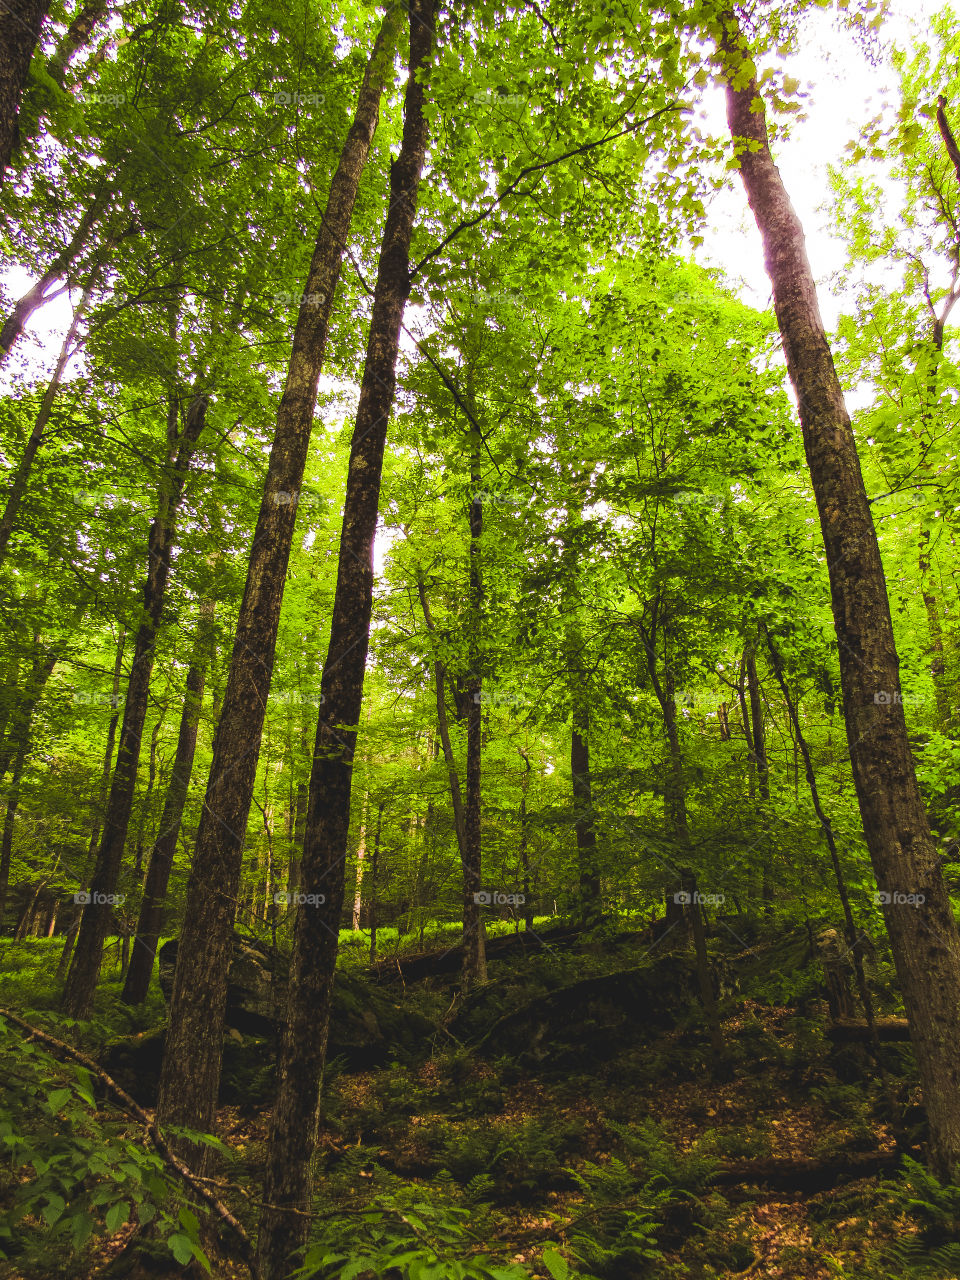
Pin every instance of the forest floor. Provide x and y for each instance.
(643, 1162)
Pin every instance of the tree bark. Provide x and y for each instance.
(316, 930)
(20, 24)
(77, 37)
(36, 295)
(474, 934)
(21, 476)
(85, 967)
(198, 1001)
(924, 940)
(153, 907)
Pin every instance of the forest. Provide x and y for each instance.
(479, 693)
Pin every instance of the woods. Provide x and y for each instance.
(478, 691)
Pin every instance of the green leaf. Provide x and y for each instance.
(556, 1264)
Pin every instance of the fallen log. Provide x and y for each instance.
(449, 960)
(845, 1030)
(805, 1174)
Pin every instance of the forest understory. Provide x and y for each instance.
(479, 639)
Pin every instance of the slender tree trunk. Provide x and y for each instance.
(443, 729)
(22, 717)
(37, 295)
(145, 807)
(6, 842)
(21, 476)
(361, 850)
(372, 897)
(474, 971)
(20, 24)
(77, 37)
(294, 1124)
(853, 933)
(761, 764)
(524, 843)
(924, 939)
(70, 938)
(153, 907)
(85, 967)
(198, 1002)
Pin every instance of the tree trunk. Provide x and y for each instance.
(77, 37)
(474, 935)
(6, 843)
(153, 907)
(924, 940)
(443, 729)
(294, 1125)
(36, 295)
(361, 851)
(198, 1001)
(524, 842)
(85, 967)
(372, 897)
(20, 24)
(21, 476)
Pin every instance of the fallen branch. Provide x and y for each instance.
(847, 1029)
(805, 1174)
(246, 1249)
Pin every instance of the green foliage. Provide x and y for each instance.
(73, 1172)
(402, 1233)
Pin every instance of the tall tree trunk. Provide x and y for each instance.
(21, 476)
(474, 970)
(524, 844)
(145, 807)
(153, 907)
(77, 36)
(924, 940)
(6, 841)
(20, 24)
(85, 967)
(99, 805)
(761, 763)
(37, 295)
(443, 729)
(372, 892)
(853, 934)
(316, 930)
(198, 1001)
(361, 851)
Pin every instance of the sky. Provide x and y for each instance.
(845, 92)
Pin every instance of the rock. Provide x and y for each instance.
(366, 1029)
(580, 1023)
